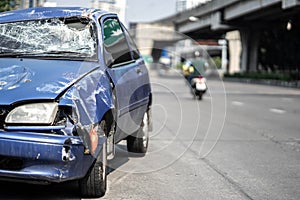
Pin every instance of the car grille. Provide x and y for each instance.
(3, 113)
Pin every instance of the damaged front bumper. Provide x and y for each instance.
(39, 157)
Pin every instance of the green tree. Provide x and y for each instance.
(6, 5)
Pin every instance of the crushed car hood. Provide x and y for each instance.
(32, 79)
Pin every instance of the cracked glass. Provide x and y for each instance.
(68, 37)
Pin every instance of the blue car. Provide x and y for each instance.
(72, 85)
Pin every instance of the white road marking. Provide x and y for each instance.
(287, 99)
(237, 103)
(278, 111)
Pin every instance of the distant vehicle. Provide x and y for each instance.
(192, 72)
(165, 59)
(72, 84)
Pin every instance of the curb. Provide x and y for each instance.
(290, 84)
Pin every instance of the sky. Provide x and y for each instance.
(149, 10)
(74, 3)
(137, 10)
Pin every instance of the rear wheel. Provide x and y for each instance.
(138, 142)
(94, 183)
(200, 96)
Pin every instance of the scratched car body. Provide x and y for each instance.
(72, 85)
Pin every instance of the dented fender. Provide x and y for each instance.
(92, 98)
(84, 86)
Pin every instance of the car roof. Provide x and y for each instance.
(46, 13)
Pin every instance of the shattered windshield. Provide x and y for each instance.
(68, 37)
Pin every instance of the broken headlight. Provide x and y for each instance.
(36, 113)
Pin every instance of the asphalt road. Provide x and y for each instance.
(240, 142)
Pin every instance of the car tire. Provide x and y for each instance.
(138, 142)
(200, 97)
(94, 184)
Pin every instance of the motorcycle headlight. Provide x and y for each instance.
(36, 113)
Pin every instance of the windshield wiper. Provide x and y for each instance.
(59, 52)
(49, 55)
(56, 53)
(4, 53)
(4, 50)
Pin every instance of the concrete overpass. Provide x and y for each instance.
(256, 21)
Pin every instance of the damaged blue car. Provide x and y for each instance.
(72, 85)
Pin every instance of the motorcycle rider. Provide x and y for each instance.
(193, 71)
(194, 67)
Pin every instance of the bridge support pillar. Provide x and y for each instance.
(250, 45)
(234, 47)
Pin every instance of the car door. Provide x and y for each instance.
(128, 74)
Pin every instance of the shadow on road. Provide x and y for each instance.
(13, 190)
(67, 190)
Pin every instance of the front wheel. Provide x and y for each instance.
(138, 142)
(94, 183)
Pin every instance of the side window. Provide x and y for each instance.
(115, 43)
(132, 45)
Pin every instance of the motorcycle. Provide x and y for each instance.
(194, 78)
(198, 86)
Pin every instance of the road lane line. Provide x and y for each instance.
(285, 99)
(237, 103)
(277, 111)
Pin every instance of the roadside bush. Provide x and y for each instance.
(218, 62)
(263, 75)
